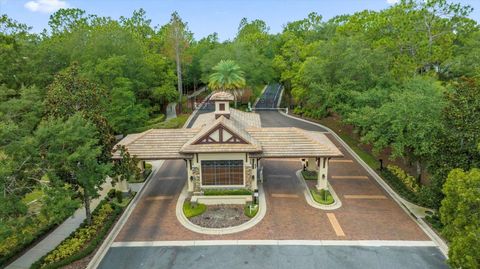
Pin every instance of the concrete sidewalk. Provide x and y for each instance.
(58, 235)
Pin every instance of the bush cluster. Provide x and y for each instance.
(84, 240)
(83, 235)
(310, 175)
(193, 209)
(409, 181)
(250, 212)
(322, 196)
(17, 234)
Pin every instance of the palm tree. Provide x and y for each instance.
(227, 77)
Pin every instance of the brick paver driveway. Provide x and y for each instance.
(288, 215)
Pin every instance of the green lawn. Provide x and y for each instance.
(322, 197)
(191, 210)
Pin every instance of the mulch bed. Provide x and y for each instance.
(221, 216)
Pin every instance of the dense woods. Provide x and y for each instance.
(407, 79)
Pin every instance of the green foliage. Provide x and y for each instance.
(89, 236)
(322, 196)
(227, 75)
(127, 167)
(409, 181)
(69, 152)
(193, 209)
(422, 197)
(310, 175)
(173, 123)
(212, 192)
(250, 210)
(461, 217)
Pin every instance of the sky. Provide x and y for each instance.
(203, 16)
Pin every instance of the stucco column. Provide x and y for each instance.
(122, 185)
(322, 181)
(141, 165)
(189, 175)
(311, 164)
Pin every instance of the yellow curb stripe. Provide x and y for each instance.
(349, 177)
(335, 225)
(159, 198)
(365, 196)
(341, 161)
(284, 195)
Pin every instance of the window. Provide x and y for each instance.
(221, 107)
(229, 172)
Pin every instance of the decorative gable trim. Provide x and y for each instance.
(225, 136)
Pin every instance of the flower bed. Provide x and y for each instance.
(86, 238)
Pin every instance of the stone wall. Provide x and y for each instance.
(196, 179)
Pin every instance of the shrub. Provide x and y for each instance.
(111, 193)
(250, 210)
(104, 217)
(214, 192)
(409, 181)
(323, 197)
(119, 196)
(193, 209)
(310, 175)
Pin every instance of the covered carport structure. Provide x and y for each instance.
(270, 143)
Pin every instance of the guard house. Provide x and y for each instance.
(224, 149)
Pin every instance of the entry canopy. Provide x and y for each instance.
(241, 133)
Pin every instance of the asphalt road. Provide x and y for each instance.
(266, 257)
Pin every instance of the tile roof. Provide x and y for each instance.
(222, 96)
(293, 142)
(157, 144)
(261, 142)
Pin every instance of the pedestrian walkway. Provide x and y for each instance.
(59, 234)
(171, 111)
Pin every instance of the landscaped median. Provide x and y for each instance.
(219, 213)
(86, 238)
(321, 199)
(230, 215)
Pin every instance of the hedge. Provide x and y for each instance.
(215, 192)
(399, 187)
(91, 245)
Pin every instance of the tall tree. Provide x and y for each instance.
(71, 93)
(68, 152)
(227, 75)
(177, 38)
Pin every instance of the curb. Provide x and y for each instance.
(420, 222)
(308, 195)
(103, 249)
(262, 210)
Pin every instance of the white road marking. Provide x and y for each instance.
(370, 243)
